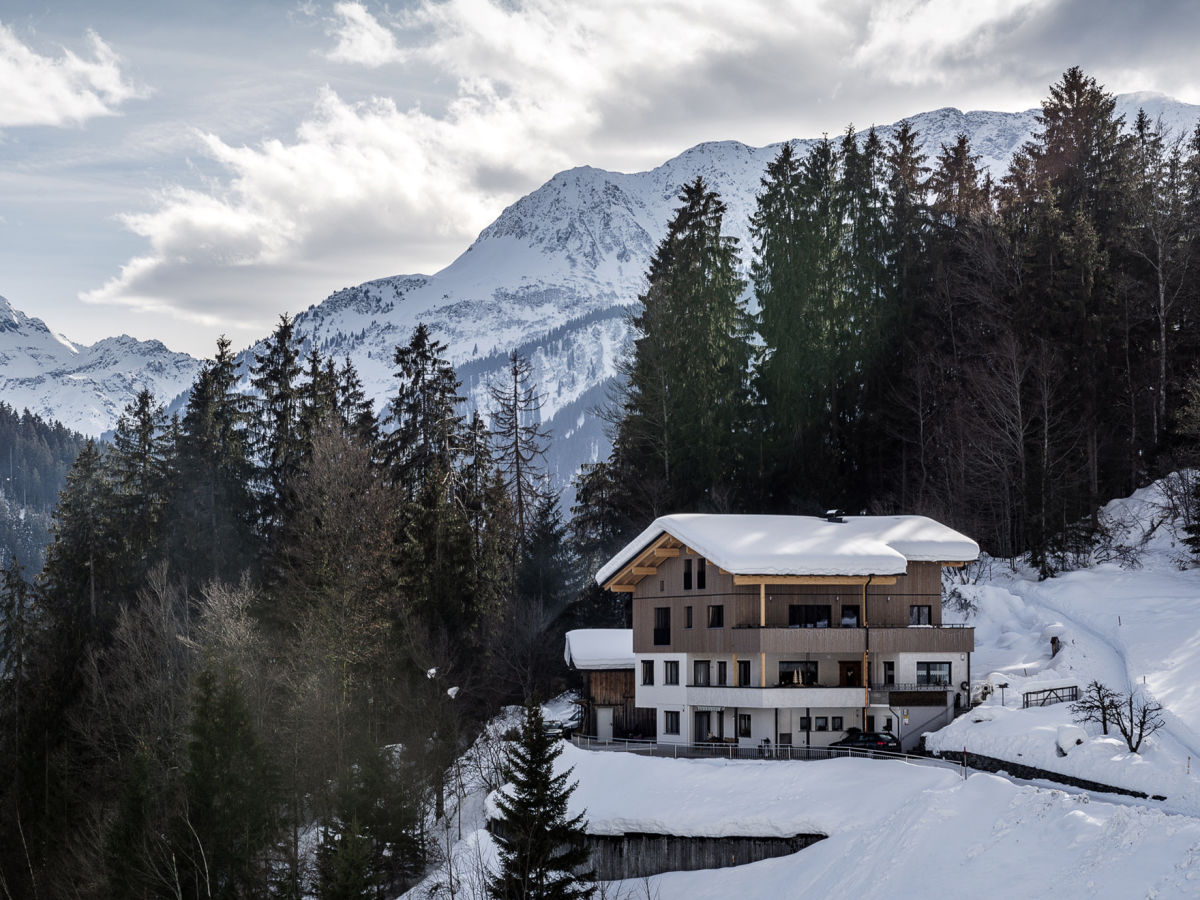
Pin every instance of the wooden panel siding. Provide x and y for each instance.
(615, 688)
(887, 606)
(915, 640)
(798, 640)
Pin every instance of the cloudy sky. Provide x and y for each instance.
(178, 170)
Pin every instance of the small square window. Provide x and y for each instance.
(647, 671)
(671, 721)
(743, 725)
(822, 723)
(671, 671)
(919, 615)
(805, 723)
(836, 723)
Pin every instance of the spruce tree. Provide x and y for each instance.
(687, 406)
(541, 849)
(519, 442)
(277, 444)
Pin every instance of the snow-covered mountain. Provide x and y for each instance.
(553, 277)
(83, 387)
(555, 274)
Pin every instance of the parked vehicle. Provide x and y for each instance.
(869, 740)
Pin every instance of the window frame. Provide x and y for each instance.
(716, 611)
(687, 574)
(919, 611)
(744, 665)
(687, 617)
(722, 673)
(942, 665)
(820, 723)
(671, 717)
(857, 623)
(699, 666)
(701, 569)
(745, 725)
(671, 671)
(835, 723)
(647, 672)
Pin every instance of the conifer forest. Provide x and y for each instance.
(281, 612)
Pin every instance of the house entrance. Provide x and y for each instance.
(703, 730)
(850, 673)
(604, 723)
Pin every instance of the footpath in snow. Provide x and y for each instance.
(1132, 625)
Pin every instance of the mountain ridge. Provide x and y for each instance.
(575, 249)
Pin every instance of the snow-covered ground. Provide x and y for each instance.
(898, 829)
(1132, 625)
(895, 829)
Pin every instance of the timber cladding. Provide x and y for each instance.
(887, 606)
(615, 688)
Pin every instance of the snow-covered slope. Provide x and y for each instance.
(554, 275)
(83, 387)
(1130, 620)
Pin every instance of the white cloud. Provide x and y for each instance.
(361, 39)
(69, 89)
(367, 188)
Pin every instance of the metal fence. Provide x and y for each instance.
(1050, 696)
(728, 750)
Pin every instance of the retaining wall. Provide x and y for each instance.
(1017, 770)
(637, 855)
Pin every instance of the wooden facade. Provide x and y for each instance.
(755, 617)
(615, 688)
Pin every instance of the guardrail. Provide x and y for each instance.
(733, 751)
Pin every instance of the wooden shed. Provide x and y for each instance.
(605, 661)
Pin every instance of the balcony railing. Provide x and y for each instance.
(912, 686)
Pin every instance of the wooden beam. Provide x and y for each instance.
(662, 552)
(814, 579)
(952, 565)
(645, 570)
(623, 588)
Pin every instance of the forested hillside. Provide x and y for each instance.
(266, 626)
(1001, 355)
(35, 456)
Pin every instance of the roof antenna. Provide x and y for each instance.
(833, 515)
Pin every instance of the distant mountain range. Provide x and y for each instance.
(553, 277)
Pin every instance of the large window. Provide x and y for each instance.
(919, 615)
(836, 723)
(933, 673)
(743, 725)
(700, 672)
(849, 615)
(662, 625)
(716, 616)
(743, 673)
(671, 671)
(647, 671)
(808, 615)
(687, 574)
(801, 672)
(671, 721)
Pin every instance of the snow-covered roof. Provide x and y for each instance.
(804, 545)
(599, 648)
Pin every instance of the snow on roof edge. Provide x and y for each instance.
(599, 648)
(868, 545)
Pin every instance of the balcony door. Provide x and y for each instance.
(703, 730)
(850, 673)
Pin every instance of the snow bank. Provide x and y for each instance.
(599, 648)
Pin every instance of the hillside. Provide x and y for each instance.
(553, 276)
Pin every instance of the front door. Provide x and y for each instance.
(703, 730)
(604, 723)
(850, 673)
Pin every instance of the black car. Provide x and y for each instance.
(869, 740)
